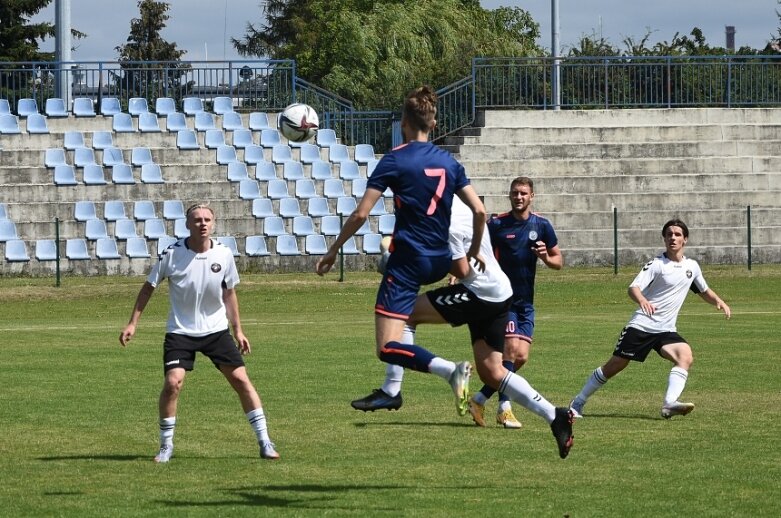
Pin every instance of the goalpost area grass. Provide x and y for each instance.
(79, 413)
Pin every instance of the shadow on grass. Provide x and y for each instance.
(114, 458)
(644, 417)
(413, 423)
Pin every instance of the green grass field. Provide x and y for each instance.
(79, 414)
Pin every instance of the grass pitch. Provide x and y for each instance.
(79, 414)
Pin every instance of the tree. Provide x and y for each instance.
(19, 39)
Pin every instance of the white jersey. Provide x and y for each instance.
(665, 284)
(196, 282)
(492, 285)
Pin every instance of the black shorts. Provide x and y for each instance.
(459, 306)
(634, 344)
(179, 350)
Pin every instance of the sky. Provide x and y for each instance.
(204, 27)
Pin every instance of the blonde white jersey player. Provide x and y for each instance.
(659, 290)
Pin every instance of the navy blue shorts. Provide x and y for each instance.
(405, 273)
(179, 350)
(520, 321)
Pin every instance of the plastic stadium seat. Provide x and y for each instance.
(83, 156)
(114, 210)
(249, 190)
(214, 138)
(348, 170)
(371, 243)
(3, 211)
(226, 155)
(231, 121)
(106, 248)
(151, 173)
(315, 244)
(55, 107)
(222, 105)
(180, 228)
(287, 245)
(122, 174)
(54, 156)
(125, 229)
(349, 247)
(270, 138)
(84, 211)
(230, 242)
(122, 123)
(370, 167)
(5, 106)
(345, 205)
(192, 105)
(165, 106)
(386, 224)
(338, 153)
(173, 209)
(175, 122)
(274, 226)
(281, 153)
(258, 121)
(113, 156)
(277, 189)
(46, 250)
(7, 230)
(309, 153)
(262, 208)
(109, 106)
(26, 107)
(143, 210)
(253, 154)
(93, 175)
(187, 139)
(95, 229)
(16, 251)
(321, 170)
(76, 249)
(330, 225)
(379, 208)
(289, 208)
(333, 188)
(255, 246)
(237, 171)
(9, 124)
(137, 106)
(36, 124)
(265, 171)
(358, 187)
(141, 156)
(318, 207)
(305, 189)
(73, 139)
(102, 139)
(65, 174)
(364, 229)
(303, 226)
(242, 138)
(293, 171)
(154, 228)
(148, 123)
(325, 137)
(83, 107)
(204, 121)
(136, 248)
(164, 242)
(364, 153)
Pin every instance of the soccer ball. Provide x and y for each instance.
(298, 122)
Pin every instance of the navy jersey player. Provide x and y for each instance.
(519, 238)
(424, 179)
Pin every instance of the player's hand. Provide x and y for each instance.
(722, 306)
(540, 249)
(477, 262)
(127, 334)
(243, 343)
(648, 308)
(325, 263)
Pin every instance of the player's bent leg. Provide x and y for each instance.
(239, 380)
(169, 395)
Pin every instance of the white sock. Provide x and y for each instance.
(676, 382)
(519, 390)
(394, 375)
(257, 420)
(594, 383)
(503, 406)
(167, 425)
(442, 367)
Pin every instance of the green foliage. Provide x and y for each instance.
(19, 39)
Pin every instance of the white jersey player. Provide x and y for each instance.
(659, 290)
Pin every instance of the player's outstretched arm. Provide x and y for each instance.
(141, 301)
(712, 298)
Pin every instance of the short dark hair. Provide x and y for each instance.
(675, 222)
(522, 180)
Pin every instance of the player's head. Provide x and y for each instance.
(200, 219)
(675, 222)
(521, 194)
(420, 110)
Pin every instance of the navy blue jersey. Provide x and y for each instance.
(512, 240)
(423, 179)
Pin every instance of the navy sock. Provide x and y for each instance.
(408, 356)
(488, 391)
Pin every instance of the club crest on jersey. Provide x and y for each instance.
(216, 267)
(533, 235)
(688, 274)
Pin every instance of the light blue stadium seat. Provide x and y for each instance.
(83, 107)
(371, 243)
(84, 211)
(333, 188)
(358, 187)
(318, 207)
(274, 226)
(262, 208)
(114, 210)
(148, 123)
(55, 107)
(226, 154)
(109, 106)
(164, 242)
(137, 105)
(255, 246)
(349, 247)
(293, 171)
(26, 107)
(165, 106)
(345, 205)
(231, 121)
(140, 156)
(54, 156)
(379, 208)
(277, 189)
(305, 189)
(122, 123)
(265, 171)
(187, 139)
(253, 154)
(65, 174)
(258, 121)
(213, 138)
(249, 190)
(364, 153)
(325, 137)
(192, 105)
(143, 210)
(309, 153)
(122, 174)
(102, 139)
(242, 138)
(73, 139)
(93, 175)
(230, 242)
(113, 156)
(95, 229)
(76, 249)
(348, 170)
(154, 228)
(289, 207)
(46, 250)
(315, 244)
(303, 226)
(125, 229)
(173, 209)
(151, 173)
(9, 124)
(16, 251)
(330, 225)
(281, 153)
(270, 138)
(83, 156)
(338, 153)
(180, 228)
(204, 121)
(175, 122)
(364, 229)
(7, 230)
(237, 171)
(3, 211)
(321, 170)
(136, 248)
(386, 224)
(36, 124)
(222, 105)
(5, 106)
(287, 245)
(106, 248)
